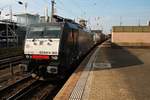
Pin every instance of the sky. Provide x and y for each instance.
(101, 14)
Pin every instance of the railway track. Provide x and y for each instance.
(40, 92)
(13, 89)
(9, 61)
(27, 89)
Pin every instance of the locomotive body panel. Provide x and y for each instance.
(42, 46)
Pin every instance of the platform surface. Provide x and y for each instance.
(114, 73)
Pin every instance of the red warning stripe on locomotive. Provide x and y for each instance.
(40, 57)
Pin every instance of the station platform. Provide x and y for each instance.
(110, 72)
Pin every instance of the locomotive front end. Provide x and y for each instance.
(42, 48)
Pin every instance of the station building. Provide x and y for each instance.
(131, 35)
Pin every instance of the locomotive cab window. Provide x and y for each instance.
(35, 32)
(44, 32)
(53, 31)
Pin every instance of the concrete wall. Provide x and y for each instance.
(131, 38)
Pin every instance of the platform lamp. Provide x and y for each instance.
(25, 7)
(19, 2)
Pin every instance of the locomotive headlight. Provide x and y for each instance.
(27, 56)
(50, 40)
(54, 57)
(52, 69)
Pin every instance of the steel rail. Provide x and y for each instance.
(13, 88)
(4, 63)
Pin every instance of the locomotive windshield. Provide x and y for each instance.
(35, 32)
(44, 32)
(53, 32)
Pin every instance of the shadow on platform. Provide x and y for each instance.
(117, 57)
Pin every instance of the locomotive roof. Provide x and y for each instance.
(72, 25)
(43, 24)
(67, 24)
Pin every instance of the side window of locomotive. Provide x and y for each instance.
(53, 31)
(35, 32)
